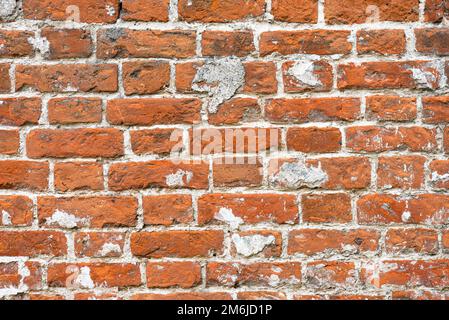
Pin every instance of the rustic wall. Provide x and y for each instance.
(339, 187)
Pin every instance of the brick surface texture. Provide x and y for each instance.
(224, 149)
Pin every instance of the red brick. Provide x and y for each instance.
(183, 296)
(32, 243)
(388, 75)
(379, 139)
(99, 244)
(226, 43)
(101, 11)
(5, 85)
(384, 42)
(332, 242)
(16, 210)
(314, 139)
(428, 209)
(236, 111)
(439, 173)
(321, 42)
(20, 174)
(71, 176)
(91, 275)
(436, 109)
(432, 41)
(435, 10)
(145, 77)
(326, 208)
(391, 108)
(237, 172)
(9, 142)
(261, 295)
(411, 241)
(405, 172)
(248, 208)
(303, 11)
(67, 43)
(330, 274)
(312, 109)
(19, 111)
(83, 143)
(74, 110)
(158, 174)
(155, 209)
(145, 10)
(15, 43)
(260, 77)
(156, 141)
(257, 274)
(124, 43)
(88, 211)
(326, 173)
(302, 76)
(242, 243)
(429, 273)
(219, 11)
(234, 140)
(184, 274)
(364, 11)
(177, 243)
(152, 111)
(71, 77)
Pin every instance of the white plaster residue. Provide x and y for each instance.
(40, 43)
(303, 71)
(84, 280)
(436, 177)
(226, 215)
(7, 8)
(406, 215)
(274, 280)
(66, 220)
(108, 248)
(251, 245)
(296, 174)
(424, 78)
(177, 179)
(110, 10)
(221, 78)
(6, 218)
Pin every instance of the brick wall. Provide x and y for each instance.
(224, 149)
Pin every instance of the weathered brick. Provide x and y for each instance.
(391, 108)
(32, 243)
(21, 174)
(19, 111)
(67, 43)
(9, 142)
(364, 11)
(184, 274)
(124, 43)
(15, 43)
(219, 11)
(158, 174)
(247, 208)
(153, 111)
(145, 77)
(155, 209)
(99, 244)
(101, 11)
(326, 208)
(304, 76)
(16, 211)
(312, 109)
(321, 42)
(383, 42)
(83, 143)
(71, 176)
(145, 10)
(314, 139)
(224, 43)
(88, 211)
(74, 110)
(304, 11)
(71, 77)
(177, 243)
(330, 242)
(405, 172)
